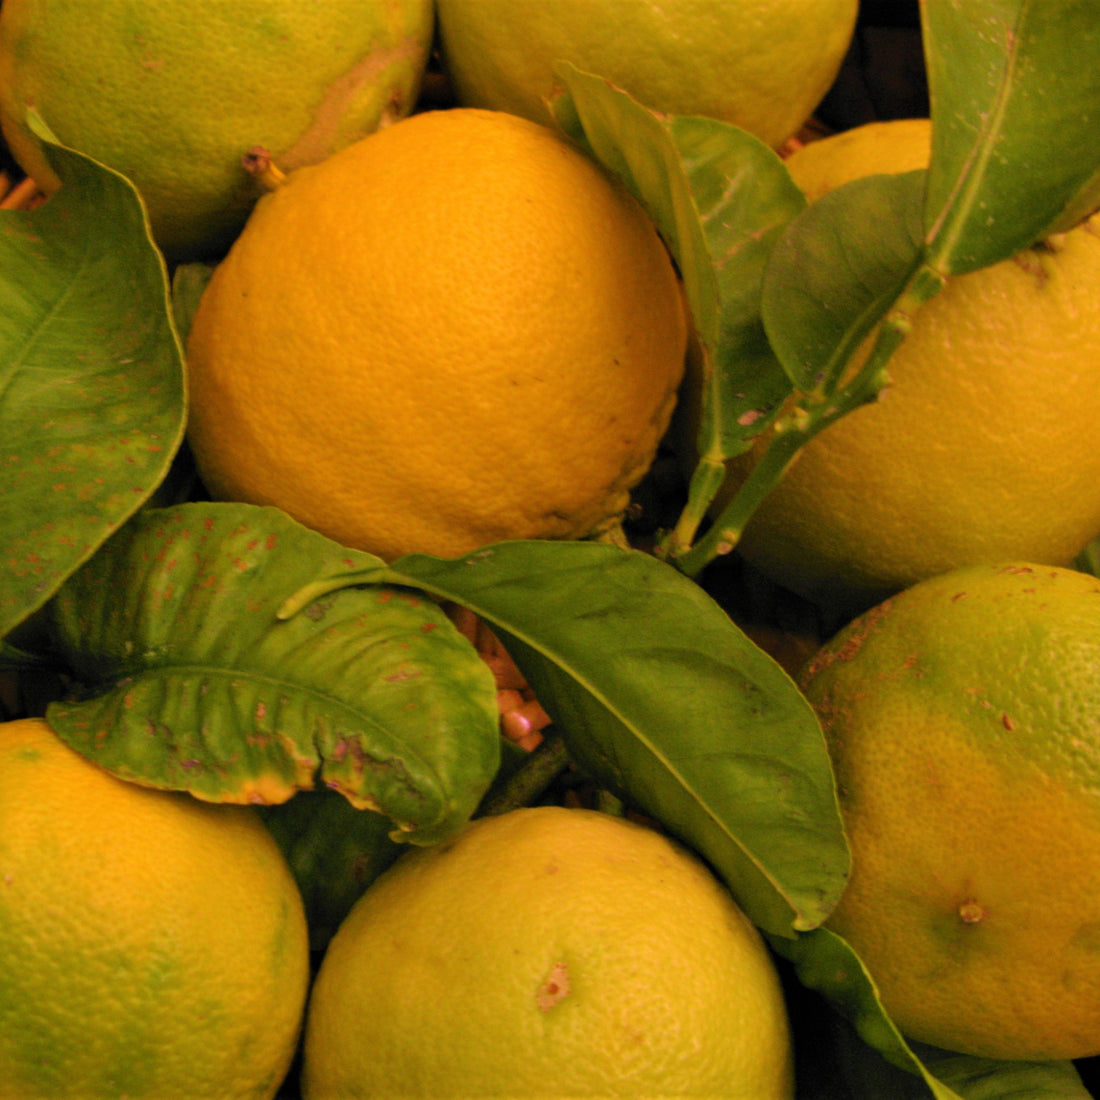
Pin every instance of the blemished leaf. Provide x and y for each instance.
(190, 678)
(92, 402)
(662, 699)
(837, 269)
(1015, 101)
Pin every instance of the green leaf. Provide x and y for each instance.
(92, 399)
(1015, 102)
(826, 963)
(985, 1079)
(719, 197)
(745, 198)
(191, 679)
(837, 270)
(665, 701)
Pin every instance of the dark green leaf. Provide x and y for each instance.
(837, 269)
(984, 1079)
(1015, 101)
(192, 680)
(91, 378)
(664, 700)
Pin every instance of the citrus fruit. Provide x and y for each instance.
(173, 93)
(961, 719)
(153, 945)
(978, 450)
(897, 145)
(763, 65)
(455, 331)
(547, 952)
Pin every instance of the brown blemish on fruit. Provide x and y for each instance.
(316, 142)
(554, 988)
(971, 912)
(859, 631)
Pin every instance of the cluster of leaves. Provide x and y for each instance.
(225, 650)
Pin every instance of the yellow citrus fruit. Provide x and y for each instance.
(961, 719)
(980, 449)
(547, 952)
(456, 331)
(763, 65)
(153, 945)
(173, 93)
(898, 145)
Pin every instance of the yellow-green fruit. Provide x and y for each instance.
(763, 65)
(961, 717)
(548, 953)
(153, 946)
(174, 93)
(980, 448)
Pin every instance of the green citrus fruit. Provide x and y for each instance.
(174, 93)
(763, 65)
(153, 945)
(961, 716)
(547, 952)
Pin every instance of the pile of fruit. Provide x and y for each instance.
(549, 549)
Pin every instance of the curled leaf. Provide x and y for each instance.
(189, 679)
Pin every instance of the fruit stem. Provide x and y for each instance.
(257, 162)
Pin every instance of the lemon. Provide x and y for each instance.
(153, 945)
(897, 145)
(174, 93)
(763, 65)
(455, 331)
(979, 449)
(547, 952)
(961, 719)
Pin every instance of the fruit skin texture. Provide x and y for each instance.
(547, 952)
(763, 65)
(153, 945)
(173, 93)
(961, 718)
(980, 448)
(456, 331)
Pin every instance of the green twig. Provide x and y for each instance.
(542, 766)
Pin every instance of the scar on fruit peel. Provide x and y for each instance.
(970, 912)
(554, 987)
